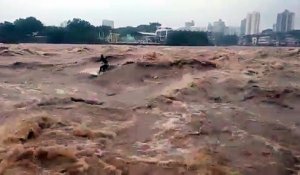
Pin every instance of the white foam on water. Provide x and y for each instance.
(91, 71)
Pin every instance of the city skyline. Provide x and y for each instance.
(171, 13)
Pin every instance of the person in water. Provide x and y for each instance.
(105, 64)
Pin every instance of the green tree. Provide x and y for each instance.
(124, 31)
(152, 27)
(133, 31)
(80, 31)
(187, 38)
(225, 40)
(28, 25)
(8, 33)
(55, 34)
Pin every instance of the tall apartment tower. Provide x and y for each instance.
(285, 21)
(209, 27)
(252, 23)
(243, 26)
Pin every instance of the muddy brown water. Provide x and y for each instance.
(159, 110)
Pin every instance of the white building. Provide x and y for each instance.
(162, 33)
(108, 23)
(252, 23)
(159, 36)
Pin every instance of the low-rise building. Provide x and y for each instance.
(160, 36)
(291, 41)
(113, 38)
(162, 33)
(245, 40)
(269, 38)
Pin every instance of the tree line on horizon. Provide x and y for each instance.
(78, 31)
(75, 31)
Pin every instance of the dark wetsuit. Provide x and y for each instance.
(105, 65)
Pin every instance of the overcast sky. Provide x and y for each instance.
(172, 13)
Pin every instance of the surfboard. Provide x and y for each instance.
(90, 71)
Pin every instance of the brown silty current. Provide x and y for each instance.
(157, 111)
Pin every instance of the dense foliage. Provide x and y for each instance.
(20, 30)
(8, 33)
(187, 38)
(225, 40)
(75, 31)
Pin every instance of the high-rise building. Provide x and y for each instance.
(108, 23)
(243, 26)
(209, 27)
(255, 23)
(219, 27)
(190, 24)
(274, 27)
(285, 21)
(231, 30)
(252, 23)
